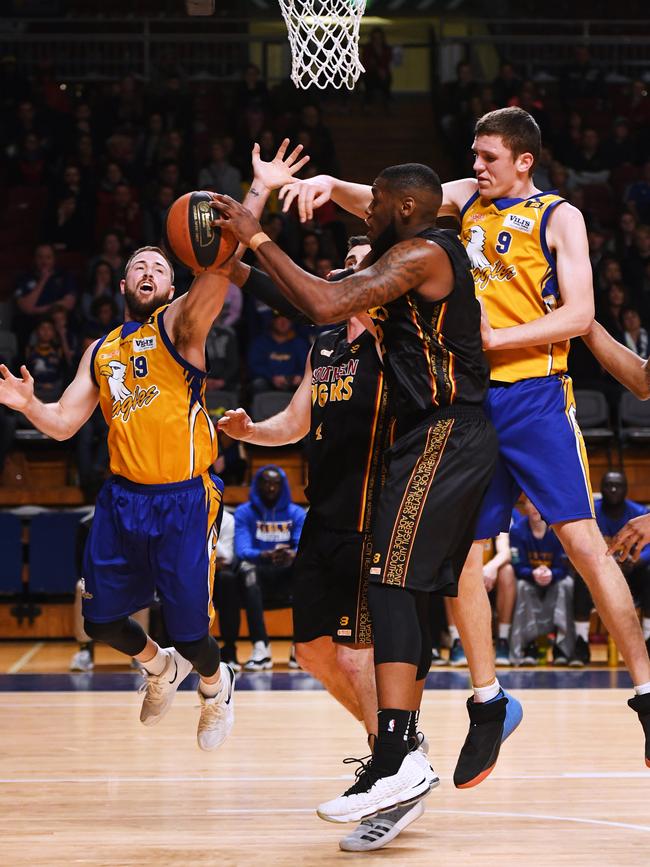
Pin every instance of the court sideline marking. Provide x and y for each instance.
(25, 658)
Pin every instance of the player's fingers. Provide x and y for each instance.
(320, 199)
(303, 162)
(282, 149)
(288, 194)
(304, 204)
(26, 375)
(4, 370)
(293, 156)
(256, 150)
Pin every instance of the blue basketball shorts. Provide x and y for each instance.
(154, 538)
(541, 452)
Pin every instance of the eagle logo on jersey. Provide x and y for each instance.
(115, 372)
(484, 271)
(124, 400)
(476, 248)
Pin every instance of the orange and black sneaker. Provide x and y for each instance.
(641, 704)
(490, 723)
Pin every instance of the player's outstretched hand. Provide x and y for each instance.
(631, 538)
(14, 392)
(237, 424)
(235, 217)
(310, 194)
(279, 171)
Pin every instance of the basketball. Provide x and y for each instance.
(191, 239)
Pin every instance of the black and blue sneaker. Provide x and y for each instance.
(490, 723)
(641, 704)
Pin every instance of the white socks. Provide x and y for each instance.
(485, 693)
(582, 630)
(453, 633)
(645, 623)
(642, 689)
(158, 663)
(504, 631)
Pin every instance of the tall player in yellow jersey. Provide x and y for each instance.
(157, 517)
(529, 256)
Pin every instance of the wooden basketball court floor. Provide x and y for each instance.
(83, 782)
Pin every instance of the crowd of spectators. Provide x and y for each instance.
(596, 153)
(88, 173)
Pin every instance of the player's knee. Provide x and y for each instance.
(203, 654)
(310, 656)
(123, 634)
(353, 661)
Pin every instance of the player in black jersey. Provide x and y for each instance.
(341, 406)
(420, 295)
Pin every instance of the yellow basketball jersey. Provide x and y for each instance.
(515, 277)
(153, 401)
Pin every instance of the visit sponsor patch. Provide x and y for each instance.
(520, 224)
(144, 344)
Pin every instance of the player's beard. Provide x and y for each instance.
(140, 311)
(384, 241)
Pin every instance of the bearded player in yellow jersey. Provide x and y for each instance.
(529, 257)
(157, 517)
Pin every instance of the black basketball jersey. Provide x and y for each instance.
(432, 350)
(349, 424)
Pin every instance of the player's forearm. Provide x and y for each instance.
(51, 419)
(559, 325)
(310, 294)
(280, 430)
(353, 198)
(623, 364)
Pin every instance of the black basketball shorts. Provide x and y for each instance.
(330, 591)
(436, 478)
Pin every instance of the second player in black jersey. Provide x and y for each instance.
(341, 409)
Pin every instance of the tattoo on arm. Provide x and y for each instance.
(405, 266)
(253, 192)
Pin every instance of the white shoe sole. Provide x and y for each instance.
(359, 845)
(262, 666)
(415, 793)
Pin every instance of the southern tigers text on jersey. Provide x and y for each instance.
(349, 429)
(159, 431)
(515, 277)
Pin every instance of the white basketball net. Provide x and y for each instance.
(324, 39)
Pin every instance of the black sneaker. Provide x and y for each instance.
(580, 656)
(530, 654)
(488, 728)
(436, 658)
(502, 655)
(229, 656)
(559, 656)
(641, 704)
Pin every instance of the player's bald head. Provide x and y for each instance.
(416, 180)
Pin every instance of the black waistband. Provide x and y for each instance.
(496, 383)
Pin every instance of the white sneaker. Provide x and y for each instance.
(160, 689)
(260, 659)
(217, 713)
(378, 832)
(82, 661)
(371, 794)
(421, 755)
(293, 662)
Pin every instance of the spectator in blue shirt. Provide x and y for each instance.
(276, 359)
(267, 531)
(613, 511)
(544, 590)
